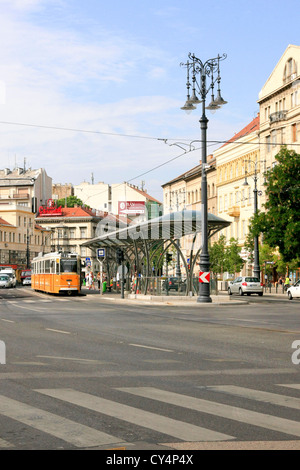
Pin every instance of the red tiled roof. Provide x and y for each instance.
(146, 195)
(3, 222)
(251, 127)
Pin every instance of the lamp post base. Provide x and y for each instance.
(204, 299)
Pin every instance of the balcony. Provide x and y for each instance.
(20, 196)
(234, 211)
(278, 116)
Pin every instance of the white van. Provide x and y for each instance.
(11, 273)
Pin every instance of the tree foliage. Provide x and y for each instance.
(71, 201)
(225, 257)
(280, 223)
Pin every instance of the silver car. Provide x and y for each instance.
(5, 281)
(245, 285)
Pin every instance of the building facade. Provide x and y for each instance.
(184, 192)
(29, 188)
(21, 238)
(238, 166)
(279, 103)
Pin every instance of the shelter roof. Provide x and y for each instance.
(170, 226)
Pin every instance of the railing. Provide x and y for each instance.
(161, 286)
(278, 116)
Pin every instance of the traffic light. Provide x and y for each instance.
(120, 255)
(169, 257)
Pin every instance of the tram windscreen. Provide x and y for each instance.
(68, 266)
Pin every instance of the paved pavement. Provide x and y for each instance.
(221, 299)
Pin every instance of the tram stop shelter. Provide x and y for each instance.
(145, 246)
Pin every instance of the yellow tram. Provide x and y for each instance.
(56, 273)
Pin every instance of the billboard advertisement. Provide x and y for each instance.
(131, 208)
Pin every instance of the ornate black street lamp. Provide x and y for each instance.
(209, 69)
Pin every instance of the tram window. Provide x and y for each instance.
(47, 266)
(68, 266)
(52, 266)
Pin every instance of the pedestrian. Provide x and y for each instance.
(91, 281)
(286, 282)
(280, 281)
(99, 280)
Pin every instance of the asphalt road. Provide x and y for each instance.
(100, 372)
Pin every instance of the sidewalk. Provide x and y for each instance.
(221, 299)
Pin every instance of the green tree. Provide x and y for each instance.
(217, 256)
(71, 201)
(280, 224)
(234, 261)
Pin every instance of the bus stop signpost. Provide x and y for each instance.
(100, 258)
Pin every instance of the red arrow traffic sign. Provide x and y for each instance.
(204, 277)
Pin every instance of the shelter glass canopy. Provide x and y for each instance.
(145, 244)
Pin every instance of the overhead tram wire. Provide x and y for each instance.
(165, 140)
(115, 134)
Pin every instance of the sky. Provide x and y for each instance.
(94, 88)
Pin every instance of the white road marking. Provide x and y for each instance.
(76, 359)
(59, 331)
(162, 424)
(296, 386)
(234, 413)
(8, 321)
(259, 395)
(74, 433)
(5, 444)
(150, 347)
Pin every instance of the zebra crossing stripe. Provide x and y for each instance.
(258, 395)
(296, 386)
(162, 424)
(234, 413)
(74, 433)
(5, 444)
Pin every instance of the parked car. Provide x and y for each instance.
(294, 290)
(5, 281)
(27, 281)
(245, 285)
(174, 283)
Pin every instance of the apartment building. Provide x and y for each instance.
(21, 238)
(27, 187)
(279, 103)
(22, 191)
(238, 164)
(184, 192)
(123, 199)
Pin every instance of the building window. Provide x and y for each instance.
(243, 229)
(82, 251)
(268, 142)
(82, 232)
(294, 132)
(294, 99)
(220, 204)
(72, 232)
